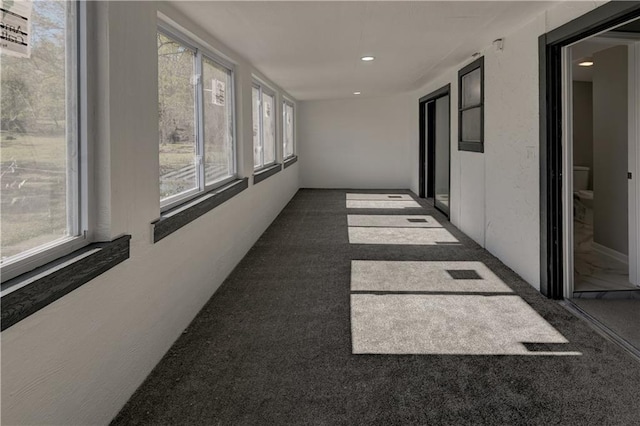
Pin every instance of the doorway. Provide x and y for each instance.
(435, 148)
(590, 203)
(600, 145)
(555, 220)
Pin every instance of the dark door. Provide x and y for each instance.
(435, 147)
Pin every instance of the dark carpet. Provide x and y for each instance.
(273, 346)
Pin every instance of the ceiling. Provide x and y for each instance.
(313, 49)
(585, 49)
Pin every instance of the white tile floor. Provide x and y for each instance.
(593, 270)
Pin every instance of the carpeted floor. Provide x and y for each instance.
(274, 345)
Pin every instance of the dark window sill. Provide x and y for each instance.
(261, 175)
(176, 218)
(289, 161)
(471, 146)
(42, 286)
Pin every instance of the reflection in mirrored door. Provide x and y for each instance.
(429, 111)
(442, 151)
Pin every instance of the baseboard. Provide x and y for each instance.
(610, 253)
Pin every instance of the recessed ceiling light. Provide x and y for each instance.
(367, 58)
(356, 93)
(586, 63)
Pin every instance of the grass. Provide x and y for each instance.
(178, 157)
(174, 156)
(33, 181)
(33, 198)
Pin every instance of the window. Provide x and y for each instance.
(41, 172)
(264, 127)
(196, 120)
(288, 137)
(471, 107)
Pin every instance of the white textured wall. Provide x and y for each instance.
(611, 148)
(512, 174)
(355, 143)
(583, 126)
(78, 360)
(495, 195)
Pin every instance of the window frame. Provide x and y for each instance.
(66, 267)
(463, 145)
(79, 203)
(263, 89)
(202, 52)
(286, 102)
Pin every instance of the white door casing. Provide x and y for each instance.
(634, 160)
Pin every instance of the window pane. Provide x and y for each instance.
(257, 146)
(176, 96)
(269, 124)
(218, 122)
(471, 129)
(288, 131)
(471, 88)
(39, 167)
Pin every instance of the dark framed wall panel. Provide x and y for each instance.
(440, 204)
(550, 47)
(430, 148)
(422, 150)
(426, 154)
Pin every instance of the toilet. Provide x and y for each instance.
(581, 185)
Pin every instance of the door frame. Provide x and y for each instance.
(567, 141)
(426, 154)
(550, 49)
(634, 162)
(427, 145)
(567, 164)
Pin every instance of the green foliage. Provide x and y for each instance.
(34, 89)
(176, 91)
(33, 141)
(15, 107)
(6, 5)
